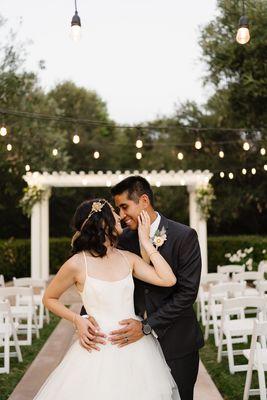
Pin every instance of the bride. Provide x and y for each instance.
(103, 276)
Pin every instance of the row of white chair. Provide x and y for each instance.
(22, 314)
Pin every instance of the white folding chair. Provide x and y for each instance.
(262, 268)
(239, 327)
(214, 308)
(262, 287)
(230, 269)
(7, 331)
(39, 286)
(2, 281)
(24, 315)
(203, 293)
(249, 276)
(257, 360)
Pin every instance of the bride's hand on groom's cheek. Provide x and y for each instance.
(130, 333)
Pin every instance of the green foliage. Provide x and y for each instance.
(15, 254)
(218, 246)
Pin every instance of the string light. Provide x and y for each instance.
(180, 156)
(265, 167)
(253, 171)
(139, 143)
(3, 131)
(55, 152)
(231, 175)
(76, 26)
(222, 174)
(244, 171)
(27, 167)
(246, 146)
(198, 144)
(9, 147)
(263, 151)
(138, 155)
(96, 155)
(243, 36)
(76, 139)
(221, 154)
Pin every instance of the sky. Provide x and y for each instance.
(141, 56)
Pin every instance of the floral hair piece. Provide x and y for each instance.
(96, 207)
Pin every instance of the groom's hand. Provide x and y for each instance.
(131, 332)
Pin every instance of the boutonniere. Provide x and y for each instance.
(159, 238)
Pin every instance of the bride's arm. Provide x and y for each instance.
(63, 280)
(160, 273)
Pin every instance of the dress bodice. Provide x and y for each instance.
(109, 301)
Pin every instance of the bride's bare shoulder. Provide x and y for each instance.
(74, 263)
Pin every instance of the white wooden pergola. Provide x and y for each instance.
(40, 212)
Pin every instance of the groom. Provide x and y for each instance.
(167, 312)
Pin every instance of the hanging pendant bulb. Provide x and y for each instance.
(221, 154)
(139, 143)
(198, 144)
(180, 156)
(76, 26)
(96, 155)
(246, 146)
(76, 139)
(3, 130)
(138, 155)
(243, 36)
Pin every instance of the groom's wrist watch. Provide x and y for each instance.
(146, 328)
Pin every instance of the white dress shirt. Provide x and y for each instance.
(155, 225)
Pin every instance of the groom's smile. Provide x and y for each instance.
(129, 210)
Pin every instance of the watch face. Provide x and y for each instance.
(147, 329)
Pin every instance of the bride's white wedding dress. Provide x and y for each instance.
(137, 371)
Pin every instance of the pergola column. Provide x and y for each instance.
(193, 214)
(40, 238)
(200, 225)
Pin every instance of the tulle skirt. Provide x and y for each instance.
(134, 372)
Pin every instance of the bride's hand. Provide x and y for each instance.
(87, 333)
(143, 227)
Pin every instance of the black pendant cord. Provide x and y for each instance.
(76, 5)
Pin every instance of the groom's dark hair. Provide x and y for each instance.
(135, 186)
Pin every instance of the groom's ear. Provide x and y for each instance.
(144, 201)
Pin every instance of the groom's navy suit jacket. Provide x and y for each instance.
(170, 309)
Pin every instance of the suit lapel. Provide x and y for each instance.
(163, 223)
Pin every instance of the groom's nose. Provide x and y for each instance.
(122, 214)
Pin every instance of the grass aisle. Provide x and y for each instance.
(230, 386)
(9, 381)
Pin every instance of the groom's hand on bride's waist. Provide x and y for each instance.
(130, 333)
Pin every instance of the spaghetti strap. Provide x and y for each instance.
(126, 259)
(84, 256)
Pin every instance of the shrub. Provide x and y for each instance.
(15, 254)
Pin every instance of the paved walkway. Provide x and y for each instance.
(56, 346)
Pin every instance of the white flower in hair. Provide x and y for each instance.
(97, 206)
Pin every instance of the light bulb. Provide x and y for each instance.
(265, 167)
(221, 154)
(180, 156)
(246, 146)
(139, 143)
(222, 174)
(263, 151)
(253, 171)
(231, 175)
(244, 171)
(76, 139)
(55, 152)
(138, 155)
(198, 144)
(96, 155)
(9, 147)
(3, 131)
(76, 26)
(27, 167)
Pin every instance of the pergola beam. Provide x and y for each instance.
(40, 215)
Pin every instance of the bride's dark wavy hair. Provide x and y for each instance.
(96, 230)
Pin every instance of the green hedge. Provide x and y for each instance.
(15, 256)
(218, 246)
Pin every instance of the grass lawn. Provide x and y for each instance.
(230, 386)
(17, 370)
